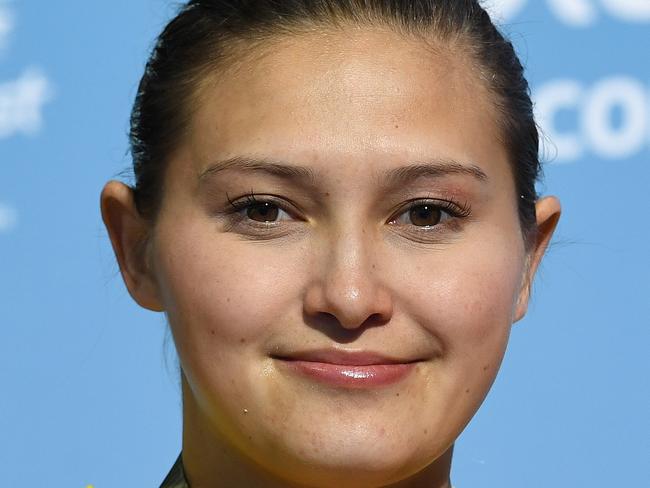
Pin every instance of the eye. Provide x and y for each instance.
(425, 215)
(429, 214)
(263, 212)
(257, 210)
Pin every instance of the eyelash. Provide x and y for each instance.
(454, 210)
(249, 201)
(451, 208)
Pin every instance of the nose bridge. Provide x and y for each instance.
(348, 285)
(347, 264)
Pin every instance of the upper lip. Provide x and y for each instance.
(343, 357)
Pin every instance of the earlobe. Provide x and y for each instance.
(128, 232)
(548, 212)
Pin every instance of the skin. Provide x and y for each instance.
(344, 265)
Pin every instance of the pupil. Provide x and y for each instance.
(425, 215)
(267, 212)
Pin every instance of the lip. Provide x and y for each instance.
(347, 369)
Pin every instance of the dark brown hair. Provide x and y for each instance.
(205, 33)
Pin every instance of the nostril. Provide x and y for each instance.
(376, 319)
(372, 320)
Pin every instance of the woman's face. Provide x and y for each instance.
(374, 221)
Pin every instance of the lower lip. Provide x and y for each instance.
(347, 376)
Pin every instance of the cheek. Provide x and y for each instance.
(219, 292)
(467, 303)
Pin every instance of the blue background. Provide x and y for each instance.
(90, 391)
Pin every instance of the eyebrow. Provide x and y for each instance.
(434, 168)
(279, 169)
(394, 177)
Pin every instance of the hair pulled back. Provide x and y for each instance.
(206, 33)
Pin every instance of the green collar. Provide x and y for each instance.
(176, 476)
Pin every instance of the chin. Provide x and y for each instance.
(343, 459)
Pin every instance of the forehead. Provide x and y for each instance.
(356, 97)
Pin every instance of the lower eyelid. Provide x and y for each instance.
(437, 234)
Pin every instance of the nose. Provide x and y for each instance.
(349, 287)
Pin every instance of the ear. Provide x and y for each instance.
(548, 212)
(129, 233)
